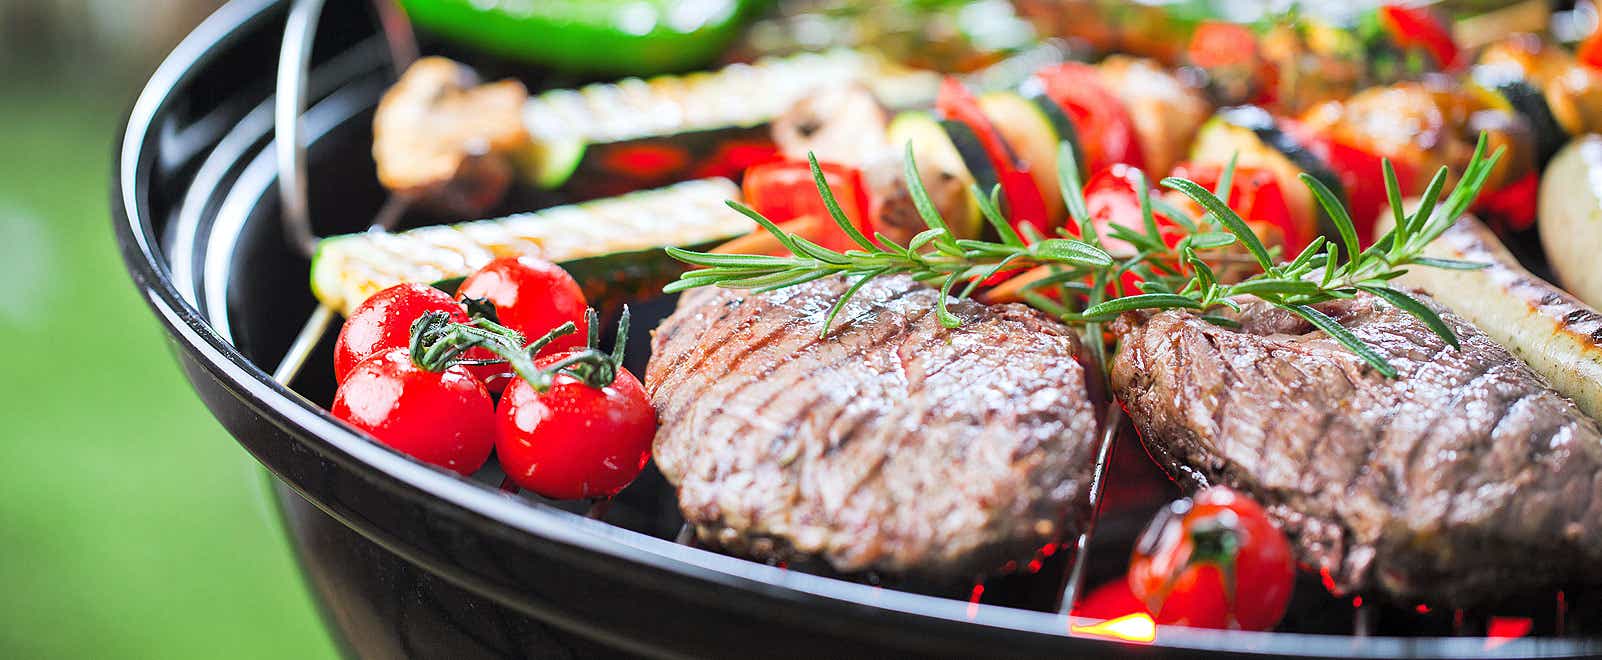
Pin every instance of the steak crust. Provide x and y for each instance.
(1464, 479)
(894, 444)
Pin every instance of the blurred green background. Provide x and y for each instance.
(131, 525)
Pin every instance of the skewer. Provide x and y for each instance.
(305, 342)
(686, 536)
(1075, 581)
(322, 318)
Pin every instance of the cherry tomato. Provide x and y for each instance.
(384, 321)
(783, 191)
(1025, 203)
(1416, 27)
(1254, 194)
(531, 296)
(1106, 131)
(444, 418)
(575, 440)
(1213, 561)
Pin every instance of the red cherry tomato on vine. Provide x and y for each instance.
(384, 321)
(1213, 561)
(575, 440)
(445, 418)
(531, 296)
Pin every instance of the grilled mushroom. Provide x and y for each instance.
(839, 124)
(441, 137)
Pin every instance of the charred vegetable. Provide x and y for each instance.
(647, 132)
(607, 245)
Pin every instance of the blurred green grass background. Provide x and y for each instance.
(131, 524)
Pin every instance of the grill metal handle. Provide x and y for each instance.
(289, 147)
(294, 64)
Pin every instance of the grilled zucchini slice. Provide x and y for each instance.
(686, 119)
(611, 246)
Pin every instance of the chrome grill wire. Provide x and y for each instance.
(294, 69)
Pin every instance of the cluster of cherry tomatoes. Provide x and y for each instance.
(418, 370)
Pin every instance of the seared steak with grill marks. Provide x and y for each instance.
(1463, 479)
(894, 444)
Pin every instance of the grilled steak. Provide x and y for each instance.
(893, 445)
(1462, 479)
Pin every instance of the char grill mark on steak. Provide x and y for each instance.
(1463, 480)
(742, 348)
(894, 444)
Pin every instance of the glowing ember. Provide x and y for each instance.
(1137, 627)
(1503, 629)
(973, 599)
(1422, 609)
(1508, 627)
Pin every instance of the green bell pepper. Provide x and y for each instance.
(637, 37)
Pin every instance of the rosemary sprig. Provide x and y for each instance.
(1176, 276)
(933, 255)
